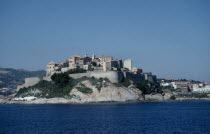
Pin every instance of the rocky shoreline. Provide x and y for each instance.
(66, 101)
(108, 93)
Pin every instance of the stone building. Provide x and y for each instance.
(151, 78)
(51, 67)
(76, 61)
(99, 65)
(116, 64)
(81, 61)
(128, 64)
(105, 59)
(137, 70)
(107, 66)
(72, 61)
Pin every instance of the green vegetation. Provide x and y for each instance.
(74, 71)
(66, 64)
(147, 87)
(61, 79)
(84, 89)
(125, 83)
(144, 86)
(60, 86)
(12, 77)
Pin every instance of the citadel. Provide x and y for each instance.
(116, 70)
(100, 67)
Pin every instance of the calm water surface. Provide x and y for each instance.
(191, 117)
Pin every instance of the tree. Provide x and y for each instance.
(60, 79)
(144, 86)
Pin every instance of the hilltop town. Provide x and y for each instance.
(84, 79)
(116, 70)
(100, 67)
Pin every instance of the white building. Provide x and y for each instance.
(201, 89)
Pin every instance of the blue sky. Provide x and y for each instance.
(170, 38)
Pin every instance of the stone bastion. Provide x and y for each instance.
(113, 76)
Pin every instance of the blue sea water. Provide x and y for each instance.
(189, 117)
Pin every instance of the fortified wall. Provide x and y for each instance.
(134, 77)
(113, 76)
(29, 82)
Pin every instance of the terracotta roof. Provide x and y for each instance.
(137, 67)
(51, 63)
(75, 56)
(81, 58)
(64, 61)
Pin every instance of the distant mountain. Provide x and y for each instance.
(10, 78)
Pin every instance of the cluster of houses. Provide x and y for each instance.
(99, 64)
(116, 70)
(102, 63)
(186, 85)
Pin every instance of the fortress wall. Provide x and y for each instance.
(149, 78)
(80, 75)
(134, 77)
(113, 76)
(47, 78)
(31, 81)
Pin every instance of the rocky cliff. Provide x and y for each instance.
(86, 92)
(108, 93)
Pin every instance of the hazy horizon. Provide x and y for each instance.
(171, 39)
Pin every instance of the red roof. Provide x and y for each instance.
(51, 63)
(137, 67)
(64, 61)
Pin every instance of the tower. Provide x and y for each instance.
(93, 56)
(128, 64)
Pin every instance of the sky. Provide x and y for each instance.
(170, 38)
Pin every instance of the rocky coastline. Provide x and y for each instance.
(147, 99)
(88, 92)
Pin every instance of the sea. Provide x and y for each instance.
(186, 117)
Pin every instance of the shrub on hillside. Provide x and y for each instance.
(74, 71)
(60, 79)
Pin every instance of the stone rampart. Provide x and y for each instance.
(47, 78)
(113, 76)
(31, 81)
(134, 77)
(80, 75)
